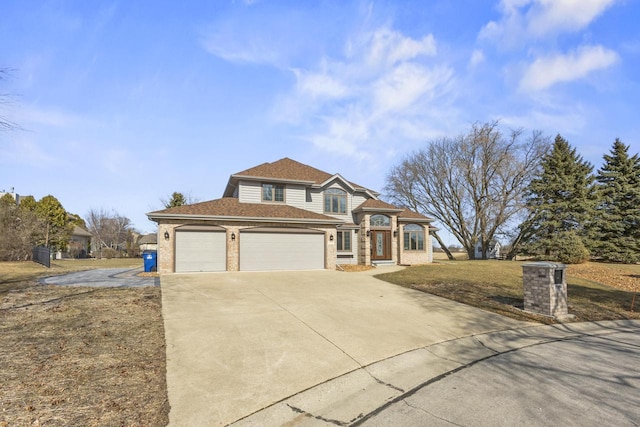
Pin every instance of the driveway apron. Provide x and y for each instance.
(239, 342)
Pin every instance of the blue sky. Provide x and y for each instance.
(121, 103)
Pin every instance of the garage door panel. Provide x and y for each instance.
(200, 251)
(281, 251)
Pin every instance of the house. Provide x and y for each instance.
(148, 242)
(493, 250)
(79, 242)
(286, 215)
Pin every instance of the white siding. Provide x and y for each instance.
(358, 199)
(295, 195)
(281, 251)
(250, 192)
(316, 203)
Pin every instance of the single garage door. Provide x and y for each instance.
(261, 251)
(198, 250)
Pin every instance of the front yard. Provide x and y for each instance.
(596, 291)
(80, 356)
(96, 356)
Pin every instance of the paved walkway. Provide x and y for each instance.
(103, 278)
(244, 347)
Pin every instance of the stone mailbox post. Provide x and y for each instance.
(545, 289)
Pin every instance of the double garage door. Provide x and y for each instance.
(260, 250)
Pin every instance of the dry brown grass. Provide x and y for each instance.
(352, 268)
(595, 290)
(80, 356)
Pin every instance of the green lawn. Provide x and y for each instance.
(497, 286)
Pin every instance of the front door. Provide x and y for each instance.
(380, 245)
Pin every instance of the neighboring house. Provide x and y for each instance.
(148, 242)
(493, 250)
(13, 194)
(79, 242)
(287, 215)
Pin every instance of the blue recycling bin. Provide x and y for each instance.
(150, 261)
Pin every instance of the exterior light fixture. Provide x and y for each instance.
(395, 233)
(368, 233)
(233, 237)
(166, 235)
(331, 237)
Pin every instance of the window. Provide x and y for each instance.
(344, 240)
(413, 237)
(335, 201)
(272, 192)
(380, 221)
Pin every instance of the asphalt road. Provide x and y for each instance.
(103, 278)
(584, 381)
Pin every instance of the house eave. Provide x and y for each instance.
(420, 220)
(231, 218)
(268, 179)
(370, 209)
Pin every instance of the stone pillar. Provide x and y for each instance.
(545, 289)
(233, 249)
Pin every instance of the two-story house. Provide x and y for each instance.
(287, 215)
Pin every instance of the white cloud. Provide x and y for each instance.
(546, 71)
(229, 47)
(407, 84)
(380, 94)
(477, 58)
(549, 16)
(388, 47)
(539, 19)
(23, 150)
(320, 85)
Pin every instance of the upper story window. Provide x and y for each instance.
(413, 237)
(380, 221)
(335, 201)
(272, 193)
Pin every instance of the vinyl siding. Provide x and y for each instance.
(250, 192)
(295, 195)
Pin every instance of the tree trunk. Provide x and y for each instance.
(443, 246)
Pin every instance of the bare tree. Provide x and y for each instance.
(108, 230)
(473, 184)
(6, 124)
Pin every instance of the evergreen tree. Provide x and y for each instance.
(617, 226)
(561, 201)
(54, 218)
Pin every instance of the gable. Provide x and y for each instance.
(287, 170)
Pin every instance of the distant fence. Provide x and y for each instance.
(42, 255)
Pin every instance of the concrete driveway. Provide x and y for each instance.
(240, 342)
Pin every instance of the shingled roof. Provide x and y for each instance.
(285, 169)
(411, 215)
(230, 208)
(377, 205)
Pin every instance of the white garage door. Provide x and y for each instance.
(260, 251)
(200, 251)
